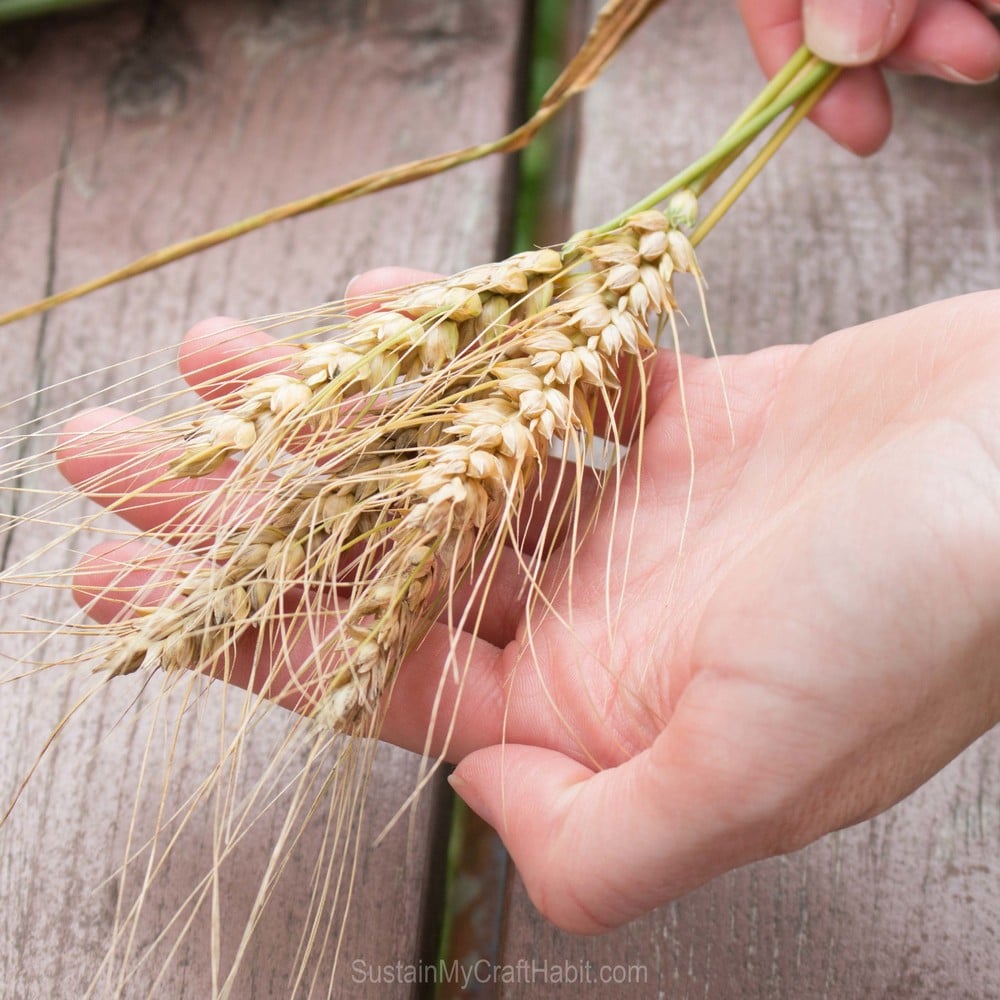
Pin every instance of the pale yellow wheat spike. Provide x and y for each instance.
(330, 500)
(323, 513)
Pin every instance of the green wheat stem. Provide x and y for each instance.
(736, 137)
(762, 158)
(782, 79)
(15, 10)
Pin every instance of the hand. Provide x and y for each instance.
(950, 39)
(825, 642)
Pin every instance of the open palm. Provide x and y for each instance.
(789, 642)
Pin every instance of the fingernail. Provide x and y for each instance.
(950, 73)
(847, 32)
(467, 793)
(942, 71)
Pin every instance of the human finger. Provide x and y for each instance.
(365, 290)
(856, 113)
(220, 354)
(856, 32)
(122, 462)
(949, 39)
(279, 660)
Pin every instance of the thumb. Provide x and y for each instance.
(855, 32)
(597, 849)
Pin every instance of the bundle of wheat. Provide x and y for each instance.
(386, 462)
(340, 492)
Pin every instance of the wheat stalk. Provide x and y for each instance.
(441, 406)
(338, 501)
(614, 22)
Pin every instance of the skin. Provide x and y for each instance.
(949, 39)
(803, 645)
(826, 641)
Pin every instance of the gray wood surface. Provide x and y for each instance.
(122, 131)
(907, 905)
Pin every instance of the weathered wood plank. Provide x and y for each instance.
(120, 132)
(905, 905)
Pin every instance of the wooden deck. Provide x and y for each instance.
(139, 124)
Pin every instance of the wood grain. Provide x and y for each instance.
(908, 904)
(119, 132)
(127, 130)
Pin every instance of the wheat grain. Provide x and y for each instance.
(396, 453)
(347, 495)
